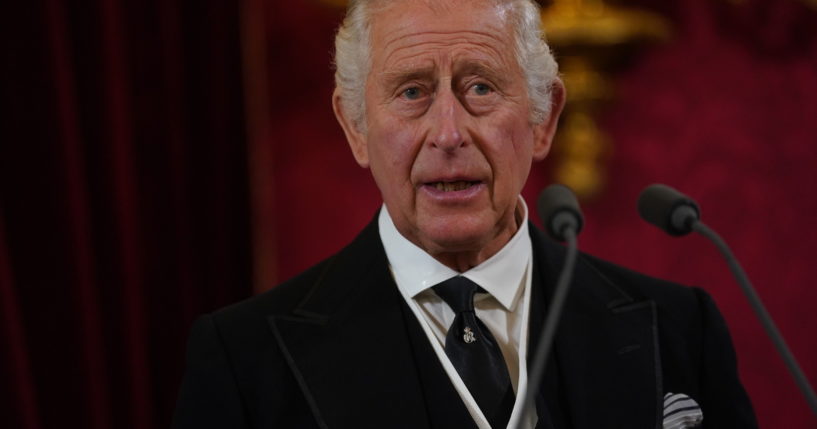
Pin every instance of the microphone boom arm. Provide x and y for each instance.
(540, 358)
(760, 311)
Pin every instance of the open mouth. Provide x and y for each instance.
(459, 185)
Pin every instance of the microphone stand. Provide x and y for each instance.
(760, 311)
(677, 215)
(551, 323)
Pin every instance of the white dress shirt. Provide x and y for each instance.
(506, 276)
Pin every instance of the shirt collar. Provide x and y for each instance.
(500, 275)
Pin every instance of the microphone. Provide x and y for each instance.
(668, 209)
(677, 215)
(563, 220)
(559, 210)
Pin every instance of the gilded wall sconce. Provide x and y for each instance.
(589, 38)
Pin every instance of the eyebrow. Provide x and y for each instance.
(394, 78)
(480, 69)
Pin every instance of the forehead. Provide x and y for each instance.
(404, 30)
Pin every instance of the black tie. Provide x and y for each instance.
(476, 354)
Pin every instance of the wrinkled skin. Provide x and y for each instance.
(448, 138)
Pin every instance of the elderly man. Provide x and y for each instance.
(428, 318)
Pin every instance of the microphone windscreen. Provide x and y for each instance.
(557, 204)
(658, 203)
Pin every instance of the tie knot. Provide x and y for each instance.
(458, 292)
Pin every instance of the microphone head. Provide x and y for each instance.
(559, 209)
(668, 209)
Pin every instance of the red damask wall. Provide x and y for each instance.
(726, 112)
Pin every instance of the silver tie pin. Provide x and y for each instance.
(468, 335)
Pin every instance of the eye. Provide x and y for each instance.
(412, 93)
(481, 89)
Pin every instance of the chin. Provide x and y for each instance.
(455, 235)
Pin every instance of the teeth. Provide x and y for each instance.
(452, 186)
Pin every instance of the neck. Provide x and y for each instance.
(464, 260)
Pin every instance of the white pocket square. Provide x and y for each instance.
(681, 411)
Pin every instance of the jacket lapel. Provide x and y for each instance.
(347, 344)
(443, 404)
(606, 347)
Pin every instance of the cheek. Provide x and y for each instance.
(512, 149)
(523, 153)
(392, 149)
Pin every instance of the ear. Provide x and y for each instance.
(543, 132)
(355, 138)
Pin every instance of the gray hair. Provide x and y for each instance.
(353, 58)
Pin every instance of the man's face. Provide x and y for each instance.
(448, 137)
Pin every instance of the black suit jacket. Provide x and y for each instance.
(337, 347)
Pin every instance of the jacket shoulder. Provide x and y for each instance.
(612, 281)
(282, 298)
(286, 297)
(637, 285)
(679, 306)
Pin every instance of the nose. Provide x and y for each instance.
(447, 116)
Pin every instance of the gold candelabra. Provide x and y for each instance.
(590, 38)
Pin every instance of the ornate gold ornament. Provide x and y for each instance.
(590, 38)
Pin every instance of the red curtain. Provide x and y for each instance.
(124, 201)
